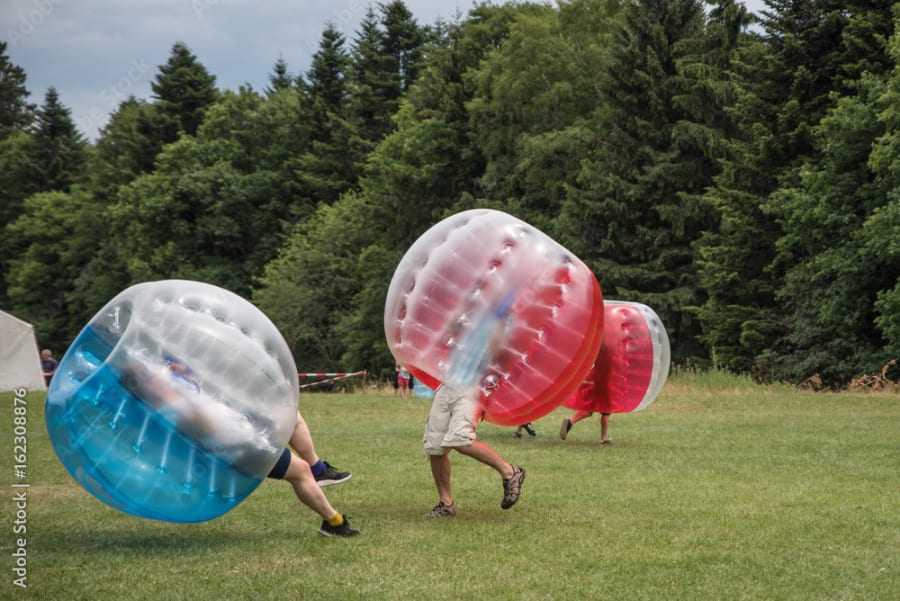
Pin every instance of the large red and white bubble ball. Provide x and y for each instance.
(632, 364)
(492, 306)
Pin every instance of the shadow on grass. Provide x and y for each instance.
(159, 540)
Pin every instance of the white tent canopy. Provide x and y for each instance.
(20, 361)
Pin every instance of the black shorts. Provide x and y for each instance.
(281, 466)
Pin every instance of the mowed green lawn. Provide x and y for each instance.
(720, 490)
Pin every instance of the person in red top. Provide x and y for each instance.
(586, 402)
(402, 380)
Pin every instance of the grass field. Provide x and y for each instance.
(720, 490)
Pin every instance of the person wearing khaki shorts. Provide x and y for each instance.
(451, 426)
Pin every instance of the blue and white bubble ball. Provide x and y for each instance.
(174, 402)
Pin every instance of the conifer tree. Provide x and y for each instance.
(416, 174)
(57, 149)
(279, 79)
(738, 312)
(183, 90)
(635, 212)
(326, 78)
(122, 152)
(374, 90)
(788, 79)
(327, 168)
(881, 231)
(15, 111)
(403, 42)
(432, 157)
(829, 193)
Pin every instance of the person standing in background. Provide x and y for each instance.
(403, 381)
(48, 365)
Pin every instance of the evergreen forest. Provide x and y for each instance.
(739, 173)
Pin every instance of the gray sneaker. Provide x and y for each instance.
(331, 476)
(512, 487)
(442, 511)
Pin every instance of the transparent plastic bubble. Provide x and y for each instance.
(632, 364)
(174, 402)
(493, 307)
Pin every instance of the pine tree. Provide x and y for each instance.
(415, 175)
(374, 90)
(828, 300)
(327, 77)
(403, 42)
(431, 163)
(57, 149)
(122, 152)
(327, 169)
(183, 90)
(280, 79)
(636, 211)
(16, 113)
(739, 315)
(881, 230)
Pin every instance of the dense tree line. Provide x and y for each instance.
(738, 173)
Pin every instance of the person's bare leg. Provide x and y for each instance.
(487, 455)
(580, 416)
(604, 427)
(302, 442)
(568, 423)
(440, 471)
(307, 489)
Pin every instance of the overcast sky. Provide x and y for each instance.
(96, 53)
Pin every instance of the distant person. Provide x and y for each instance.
(48, 365)
(604, 425)
(527, 427)
(403, 378)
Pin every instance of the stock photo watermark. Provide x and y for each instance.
(30, 20)
(201, 7)
(113, 95)
(20, 486)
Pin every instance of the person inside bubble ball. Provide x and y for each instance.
(179, 398)
(451, 426)
(302, 442)
(586, 405)
(580, 415)
(527, 427)
(298, 473)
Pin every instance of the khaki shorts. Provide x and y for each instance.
(451, 422)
